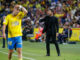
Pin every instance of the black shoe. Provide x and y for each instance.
(58, 54)
(48, 55)
(3, 47)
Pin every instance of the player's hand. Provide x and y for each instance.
(20, 7)
(57, 34)
(4, 35)
(17, 6)
(4, 17)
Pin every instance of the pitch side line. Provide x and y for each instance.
(17, 56)
(27, 53)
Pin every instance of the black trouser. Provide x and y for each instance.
(3, 45)
(48, 38)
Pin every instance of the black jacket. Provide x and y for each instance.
(51, 25)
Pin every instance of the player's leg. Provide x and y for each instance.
(11, 43)
(10, 54)
(19, 50)
(19, 47)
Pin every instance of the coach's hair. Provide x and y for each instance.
(50, 10)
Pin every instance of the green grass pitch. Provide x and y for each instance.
(37, 51)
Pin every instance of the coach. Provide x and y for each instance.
(51, 27)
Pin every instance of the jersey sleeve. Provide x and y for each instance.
(21, 15)
(5, 20)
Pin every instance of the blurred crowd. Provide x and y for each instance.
(67, 11)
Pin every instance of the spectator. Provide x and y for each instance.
(63, 37)
(28, 29)
(67, 11)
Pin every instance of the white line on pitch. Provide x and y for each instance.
(31, 54)
(17, 55)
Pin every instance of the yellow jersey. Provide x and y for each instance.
(14, 24)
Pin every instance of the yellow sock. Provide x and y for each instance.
(20, 59)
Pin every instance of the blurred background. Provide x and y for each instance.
(67, 12)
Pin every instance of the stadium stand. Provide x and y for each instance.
(67, 11)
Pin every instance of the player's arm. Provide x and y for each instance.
(23, 9)
(5, 22)
(4, 28)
